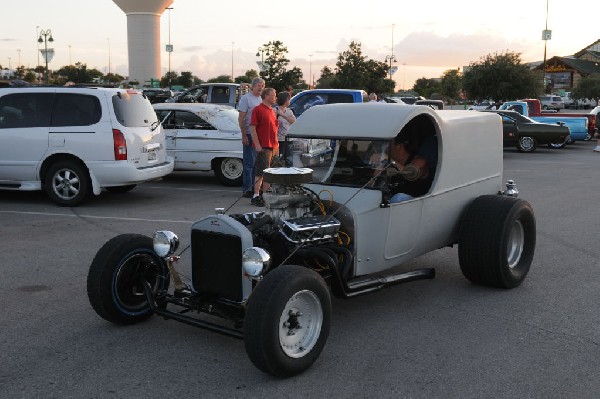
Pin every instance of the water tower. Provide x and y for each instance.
(143, 37)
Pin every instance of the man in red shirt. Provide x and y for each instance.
(263, 128)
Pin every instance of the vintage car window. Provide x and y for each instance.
(197, 95)
(75, 110)
(350, 163)
(169, 122)
(189, 120)
(25, 110)
(133, 109)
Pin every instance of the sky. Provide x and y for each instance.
(212, 37)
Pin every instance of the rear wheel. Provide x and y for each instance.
(287, 321)
(526, 144)
(116, 278)
(67, 183)
(497, 241)
(229, 171)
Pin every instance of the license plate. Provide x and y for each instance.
(152, 156)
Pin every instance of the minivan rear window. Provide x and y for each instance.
(133, 110)
(75, 110)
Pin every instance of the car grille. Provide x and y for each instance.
(217, 264)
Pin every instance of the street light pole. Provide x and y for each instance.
(310, 82)
(232, 43)
(47, 38)
(37, 34)
(107, 75)
(261, 52)
(169, 49)
(546, 35)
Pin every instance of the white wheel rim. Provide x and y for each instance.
(516, 243)
(300, 324)
(232, 168)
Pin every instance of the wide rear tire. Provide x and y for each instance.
(497, 241)
(116, 276)
(287, 321)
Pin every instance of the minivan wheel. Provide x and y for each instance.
(229, 171)
(67, 183)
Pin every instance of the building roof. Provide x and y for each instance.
(586, 49)
(582, 66)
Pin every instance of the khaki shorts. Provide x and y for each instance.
(263, 161)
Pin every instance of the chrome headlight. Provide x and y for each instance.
(165, 243)
(255, 261)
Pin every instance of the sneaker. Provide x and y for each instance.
(597, 148)
(258, 201)
(248, 194)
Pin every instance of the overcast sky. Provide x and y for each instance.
(428, 36)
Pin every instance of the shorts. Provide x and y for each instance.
(263, 161)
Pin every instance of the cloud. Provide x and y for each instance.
(8, 40)
(427, 48)
(192, 49)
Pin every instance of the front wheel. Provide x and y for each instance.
(287, 321)
(526, 144)
(229, 171)
(115, 282)
(558, 145)
(497, 241)
(67, 183)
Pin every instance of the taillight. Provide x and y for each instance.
(120, 145)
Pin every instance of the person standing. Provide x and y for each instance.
(245, 107)
(263, 128)
(285, 117)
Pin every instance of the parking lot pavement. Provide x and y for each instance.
(429, 339)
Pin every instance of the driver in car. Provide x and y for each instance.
(411, 173)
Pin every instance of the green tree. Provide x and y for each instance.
(500, 76)
(29, 76)
(376, 77)
(169, 79)
(274, 69)
(77, 73)
(220, 79)
(187, 79)
(426, 87)
(587, 87)
(327, 78)
(451, 84)
(350, 68)
(247, 77)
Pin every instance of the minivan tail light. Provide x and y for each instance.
(120, 145)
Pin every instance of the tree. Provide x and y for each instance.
(451, 84)
(426, 87)
(500, 76)
(350, 68)
(247, 77)
(169, 79)
(274, 70)
(375, 79)
(220, 79)
(327, 78)
(587, 87)
(186, 79)
(77, 73)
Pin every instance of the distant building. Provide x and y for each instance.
(563, 73)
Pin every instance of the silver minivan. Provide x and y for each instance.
(72, 142)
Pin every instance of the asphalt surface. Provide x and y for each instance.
(441, 338)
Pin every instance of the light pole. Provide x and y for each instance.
(19, 52)
(169, 48)
(261, 51)
(232, 43)
(37, 34)
(546, 35)
(47, 34)
(391, 58)
(310, 71)
(107, 75)
(70, 63)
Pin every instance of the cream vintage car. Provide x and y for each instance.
(330, 227)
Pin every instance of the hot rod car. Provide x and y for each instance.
(329, 227)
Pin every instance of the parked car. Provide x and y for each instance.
(526, 134)
(72, 142)
(552, 102)
(212, 93)
(265, 275)
(481, 106)
(157, 95)
(204, 137)
(309, 98)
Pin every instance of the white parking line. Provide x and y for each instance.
(97, 217)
